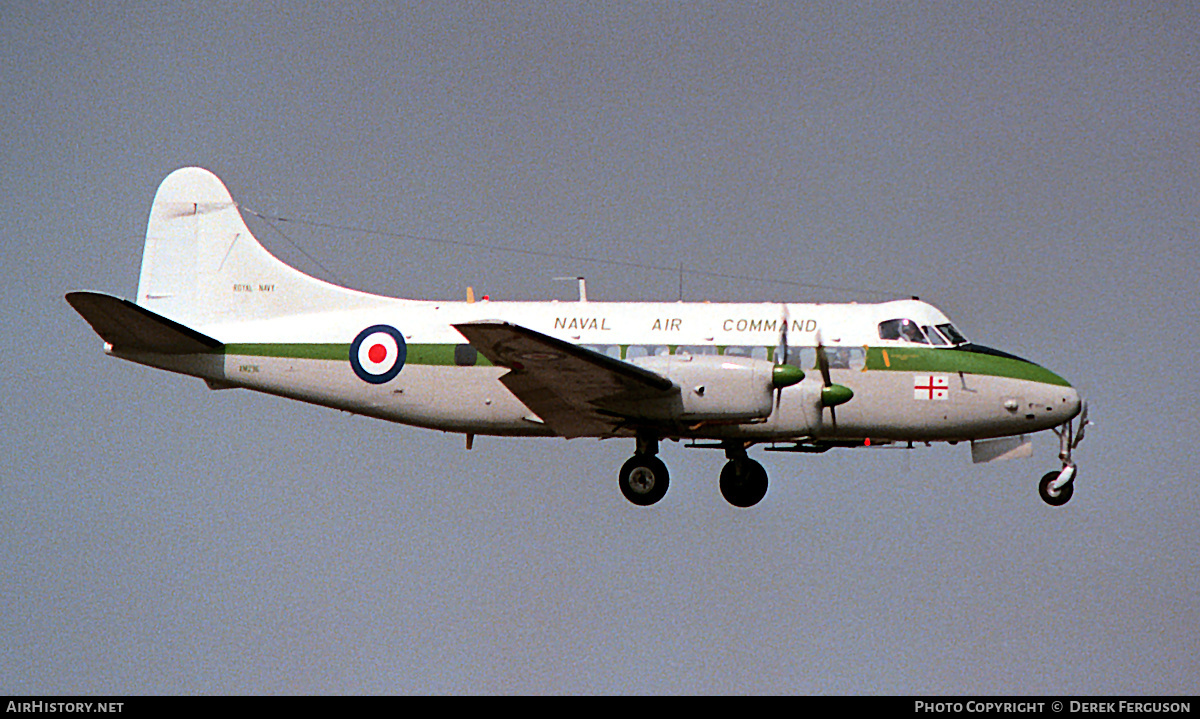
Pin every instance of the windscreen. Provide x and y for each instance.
(952, 334)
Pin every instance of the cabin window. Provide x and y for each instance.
(696, 350)
(904, 330)
(635, 351)
(845, 357)
(465, 355)
(613, 351)
(803, 357)
(746, 351)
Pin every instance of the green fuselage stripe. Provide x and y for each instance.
(922, 359)
(423, 354)
(291, 351)
(883, 359)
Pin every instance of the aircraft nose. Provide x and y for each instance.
(1071, 403)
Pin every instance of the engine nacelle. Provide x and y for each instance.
(712, 388)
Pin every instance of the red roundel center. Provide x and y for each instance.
(377, 353)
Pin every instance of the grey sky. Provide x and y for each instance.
(1030, 169)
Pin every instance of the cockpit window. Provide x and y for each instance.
(905, 330)
(952, 334)
(935, 337)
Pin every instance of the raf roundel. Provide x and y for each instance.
(378, 353)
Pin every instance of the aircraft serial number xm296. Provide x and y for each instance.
(213, 303)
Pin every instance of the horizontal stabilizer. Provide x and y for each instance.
(128, 327)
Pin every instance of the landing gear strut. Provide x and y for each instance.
(743, 481)
(644, 478)
(1056, 488)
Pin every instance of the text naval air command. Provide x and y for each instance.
(675, 324)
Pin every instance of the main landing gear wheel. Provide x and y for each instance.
(1059, 497)
(743, 482)
(644, 479)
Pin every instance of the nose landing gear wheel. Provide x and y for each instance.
(644, 480)
(743, 482)
(1055, 498)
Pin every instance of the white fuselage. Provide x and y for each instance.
(432, 391)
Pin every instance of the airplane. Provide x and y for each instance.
(213, 303)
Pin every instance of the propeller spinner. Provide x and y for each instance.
(831, 394)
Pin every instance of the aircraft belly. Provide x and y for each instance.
(461, 399)
(456, 399)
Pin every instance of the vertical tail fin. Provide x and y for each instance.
(201, 265)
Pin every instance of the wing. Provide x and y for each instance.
(127, 326)
(576, 392)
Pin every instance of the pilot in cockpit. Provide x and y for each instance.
(906, 330)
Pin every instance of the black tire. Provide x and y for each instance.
(644, 480)
(1064, 492)
(743, 482)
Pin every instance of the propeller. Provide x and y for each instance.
(784, 374)
(831, 394)
(783, 343)
(783, 358)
